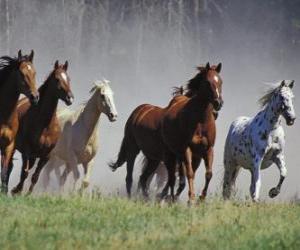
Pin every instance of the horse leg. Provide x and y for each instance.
(208, 160)
(161, 177)
(255, 183)
(5, 167)
(170, 161)
(280, 163)
(182, 182)
(148, 171)
(35, 177)
(230, 174)
(87, 173)
(190, 175)
(27, 164)
(63, 177)
(130, 165)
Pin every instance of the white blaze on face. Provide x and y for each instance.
(28, 67)
(218, 94)
(64, 76)
(216, 78)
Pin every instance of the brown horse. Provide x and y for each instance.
(17, 76)
(39, 129)
(143, 128)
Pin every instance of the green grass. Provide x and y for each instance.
(113, 223)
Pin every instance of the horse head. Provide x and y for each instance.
(27, 72)
(63, 86)
(105, 100)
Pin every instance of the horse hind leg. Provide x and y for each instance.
(230, 174)
(148, 171)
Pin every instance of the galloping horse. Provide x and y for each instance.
(143, 128)
(256, 143)
(78, 143)
(17, 76)
(189, 126)
(39, 129)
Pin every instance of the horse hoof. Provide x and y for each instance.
(202, 198)
(85, 184)
(274, 192)
(191, 203)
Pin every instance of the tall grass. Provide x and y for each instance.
(112, 223)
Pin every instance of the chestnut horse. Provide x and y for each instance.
(143, 130)
(39, 128)
(17, 76)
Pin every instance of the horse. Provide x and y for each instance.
(258, 142)
(143, 127)
(17, 76)
(190, 122)
(39, 129)
(199, 150)
(79, 141)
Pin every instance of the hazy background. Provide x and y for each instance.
(146, 47)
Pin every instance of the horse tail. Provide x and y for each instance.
(227, 166)
(128, 145)
(122, 156)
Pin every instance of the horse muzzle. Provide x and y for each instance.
(217, 104)
(69, 99)
(290, 121)
(112, 117)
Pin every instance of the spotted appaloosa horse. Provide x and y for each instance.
(256, 143)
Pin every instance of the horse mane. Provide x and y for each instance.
(7, 63)
(265, 99)
(192, 85)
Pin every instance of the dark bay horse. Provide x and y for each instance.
(39, 129)
(17, 76)
(188, 132)
(143, 128)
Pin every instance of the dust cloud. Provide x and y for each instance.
(146, 47)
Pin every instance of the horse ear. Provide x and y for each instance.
(65, 67)
(31, 56)
(56, 65)
(19, 54)
(282, 84)
(291, 85)
(207, 66)
(219, 67)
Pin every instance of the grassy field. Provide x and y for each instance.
(112, 223)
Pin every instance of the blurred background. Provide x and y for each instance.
(146, 47)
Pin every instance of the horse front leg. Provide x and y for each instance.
(190, 175)
(255, 180)
(280, 163)
(87, 167)
(6, 164)
(208, 160)
(27, 164)
(35, 177)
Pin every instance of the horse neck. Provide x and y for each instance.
(270, 117)
(46, 108)
(197, 108)
(9, 97)
(91, 114)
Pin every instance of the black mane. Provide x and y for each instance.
(191, 87)
(7, 64)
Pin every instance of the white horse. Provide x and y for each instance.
(256, 143)
(78, 143)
